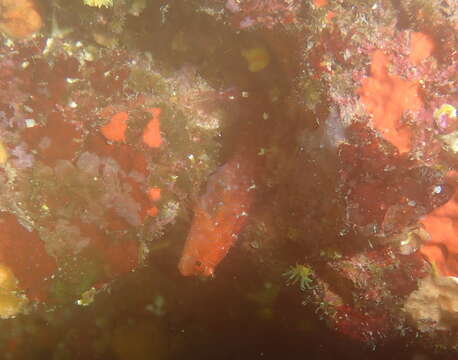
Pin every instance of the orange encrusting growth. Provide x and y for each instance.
(115, 129)
(421, 47)
(442, 226)
(152, 133)
(320, 3)
(152, 211)
(219, 217)
(154, 193)
(19, 18)
(387, 97)
(330, 15)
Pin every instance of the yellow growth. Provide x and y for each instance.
(3, 154)
(99, 3)
(11, 302)
(447, 110)
(257, 58)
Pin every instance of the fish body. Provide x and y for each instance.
(219, 216)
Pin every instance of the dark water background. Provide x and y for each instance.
(214, 320)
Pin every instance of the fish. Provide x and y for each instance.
(219, 216)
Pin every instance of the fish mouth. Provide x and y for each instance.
(189, 266)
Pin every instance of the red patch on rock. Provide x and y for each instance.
(25, 254)
(57, 140)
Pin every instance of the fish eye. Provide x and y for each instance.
(198, 263)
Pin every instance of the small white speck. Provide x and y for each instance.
(48, 46)
(87, 56)
(30, 123)
(405, 242)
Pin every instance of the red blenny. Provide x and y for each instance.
(219, 216)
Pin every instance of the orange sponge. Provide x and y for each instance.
(154, 193)
(152, 133)
(421, 47)
(19, 18)
(387, 97)
(116, 128)
(442, 226)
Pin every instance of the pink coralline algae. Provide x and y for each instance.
(385, 192)
(249, 13)
(361, 326)
(21, 158)
(233, 6)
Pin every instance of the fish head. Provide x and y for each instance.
(200, 253)
(193, 265)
